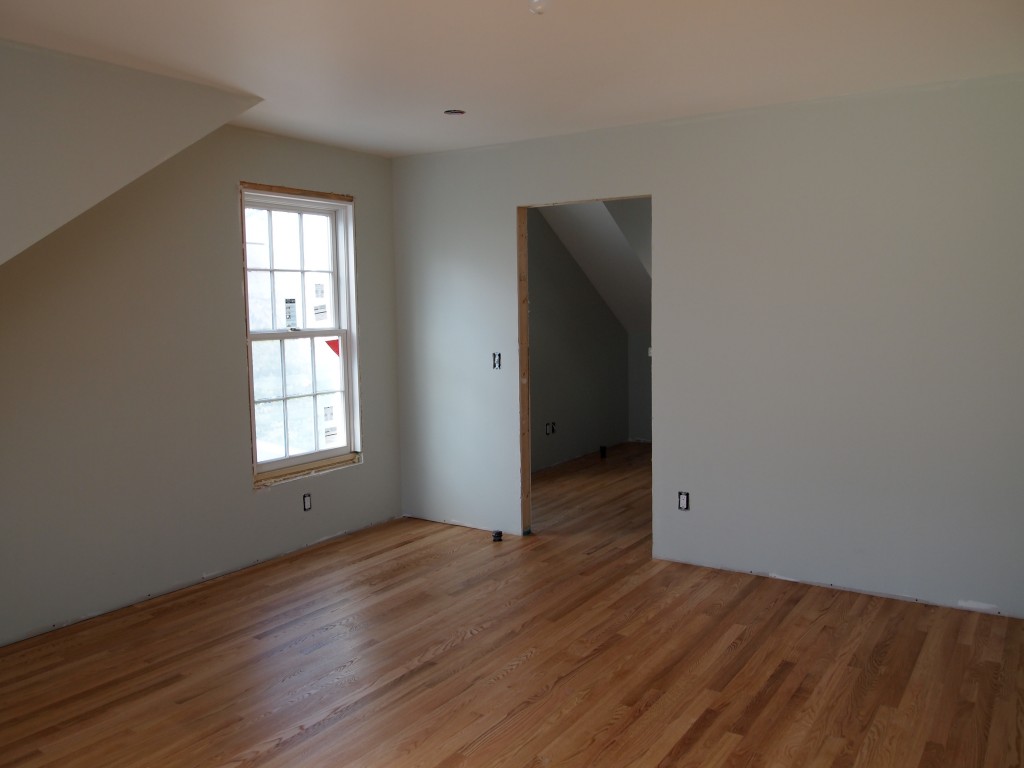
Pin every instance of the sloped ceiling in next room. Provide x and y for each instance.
(76, 130)
(611, 241)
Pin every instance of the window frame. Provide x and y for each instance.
(341, 208)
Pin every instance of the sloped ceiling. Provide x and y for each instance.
(633, 215)
(74, 131)
(599, 244)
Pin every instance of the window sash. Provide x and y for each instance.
(316, 394)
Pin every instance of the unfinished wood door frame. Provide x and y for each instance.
(525, 436)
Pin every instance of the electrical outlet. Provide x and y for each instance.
(684, 500)
(496, 361)
(553, 428)
(307, 502)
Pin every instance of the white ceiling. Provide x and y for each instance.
(376, 75)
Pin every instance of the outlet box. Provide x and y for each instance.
(307, 502)
(684, 500)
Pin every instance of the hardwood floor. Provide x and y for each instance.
(418, 644)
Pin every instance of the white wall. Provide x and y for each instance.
(837, 325)
(125, 465)
(578, 356)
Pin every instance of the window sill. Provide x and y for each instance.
(267, 479)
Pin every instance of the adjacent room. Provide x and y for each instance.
(533, 382)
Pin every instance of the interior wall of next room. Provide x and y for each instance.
(578, 356)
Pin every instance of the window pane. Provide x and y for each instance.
(286, 240)
(301, 426)
(298, 367)
(257, 244)
(266, 370)
(261, 317)
(319, 300)
(269, 431)
(316, 241)
(287, 290)
(328, 364)
(330, 410)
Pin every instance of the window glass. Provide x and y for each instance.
(261, 316)
(301, 425)
(316, 242)
(331, 415)
(270, 430)
(257, 239)
(287, 300)
(328, 364)
(319, 300)
(286, 240)
(298, 367)
(266, 370)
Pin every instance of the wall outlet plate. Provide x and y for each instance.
(307, 502)
(684, 500)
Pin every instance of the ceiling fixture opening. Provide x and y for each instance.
(455, 111)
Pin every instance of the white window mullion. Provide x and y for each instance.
(273, 282)
(317, 429)
(301, 319)
(345, 398)
(284, 395)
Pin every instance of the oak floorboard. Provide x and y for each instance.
(418, 645)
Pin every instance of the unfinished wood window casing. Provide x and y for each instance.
(300, 331)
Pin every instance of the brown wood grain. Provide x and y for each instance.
(420, 644)
(525, 428)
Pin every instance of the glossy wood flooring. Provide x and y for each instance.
(417, 644)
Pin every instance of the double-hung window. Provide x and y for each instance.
(300, 312)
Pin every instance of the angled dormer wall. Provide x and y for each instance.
(74, 131)
(578, 355)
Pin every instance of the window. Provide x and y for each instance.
(300, 321)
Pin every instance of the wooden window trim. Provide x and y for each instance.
(283, 475)
(274, 189)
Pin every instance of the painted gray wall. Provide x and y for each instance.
(578, 369)
(125, 464)
(76, 130)
(639, 386)
(837, 325)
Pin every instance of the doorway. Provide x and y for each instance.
(584, 284)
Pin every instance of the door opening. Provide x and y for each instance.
(584, 292)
